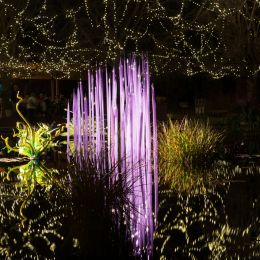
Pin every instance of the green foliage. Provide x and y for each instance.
(186, 150)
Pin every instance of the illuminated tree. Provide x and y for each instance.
(219, 37)
(51, 36)
(241, 34)
(189, 36)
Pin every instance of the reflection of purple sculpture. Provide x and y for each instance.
(115, 126)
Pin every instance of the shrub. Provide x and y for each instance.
(186, 150)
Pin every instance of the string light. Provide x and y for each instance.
(58, 38)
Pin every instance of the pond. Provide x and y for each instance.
(220, 223)
(66, 214)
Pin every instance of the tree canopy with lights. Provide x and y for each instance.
(189, 36)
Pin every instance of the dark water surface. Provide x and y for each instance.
(222, 222)
(61, 219)
(51, 214)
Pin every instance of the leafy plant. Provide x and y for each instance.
(186, 150)
(33, 141)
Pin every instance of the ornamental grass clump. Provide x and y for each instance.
(187, 151)
(101, 205)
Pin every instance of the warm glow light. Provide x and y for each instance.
(60, 38)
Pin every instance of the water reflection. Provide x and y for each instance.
(32, 213)
(47, 214)
(30, 174)
(222, 223)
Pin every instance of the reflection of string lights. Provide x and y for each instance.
(57, 213)
(195, 226)
(188, 36)
(200, 220)
(43, 227)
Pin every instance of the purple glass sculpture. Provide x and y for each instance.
(115, 126)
